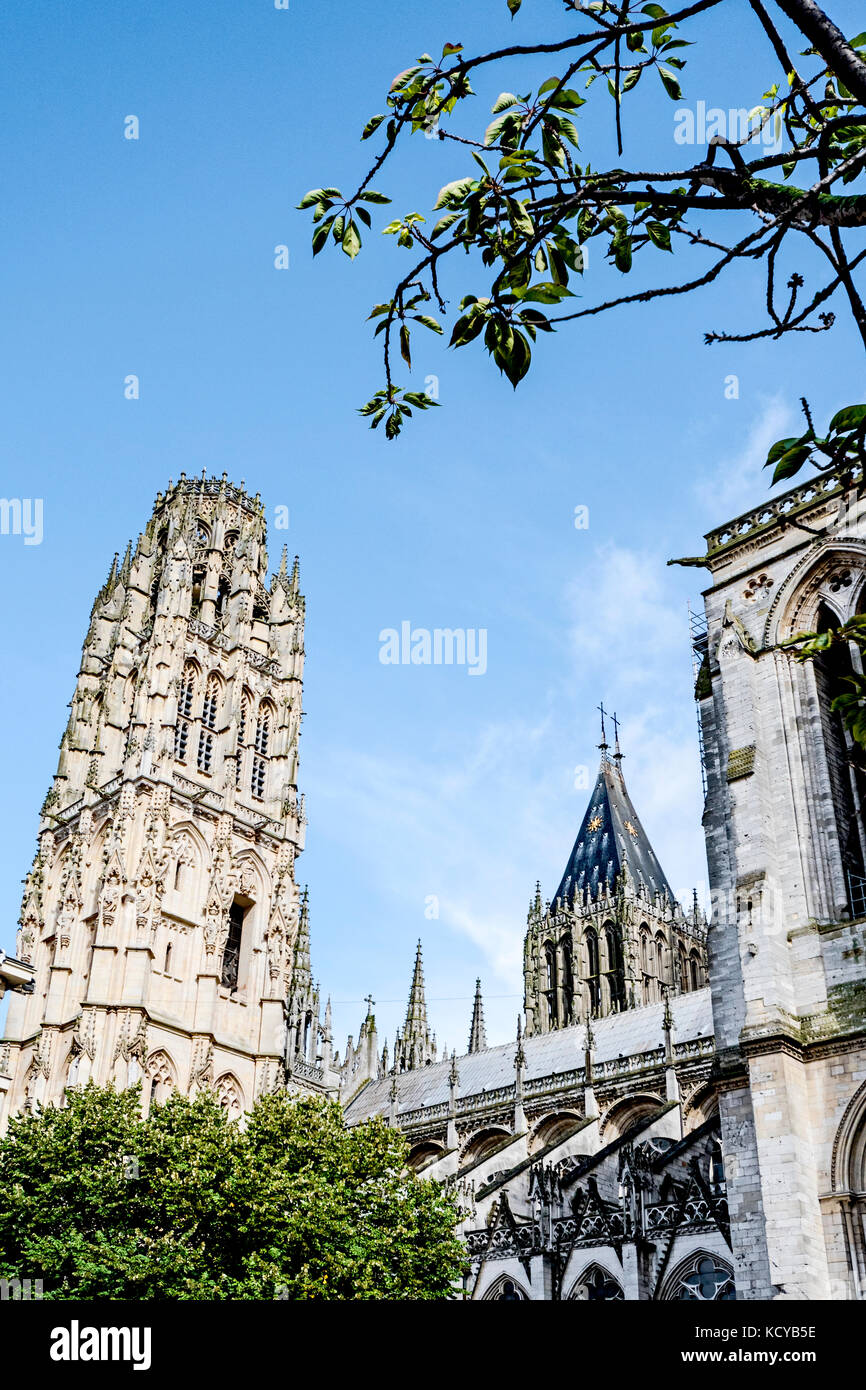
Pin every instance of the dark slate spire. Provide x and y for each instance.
(477, 1034)
(610, 836)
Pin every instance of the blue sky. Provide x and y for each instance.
(155, 257)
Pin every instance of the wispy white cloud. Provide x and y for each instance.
(477, 819)
(730, 484)
(625, 615)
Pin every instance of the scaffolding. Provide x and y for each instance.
(698, 639)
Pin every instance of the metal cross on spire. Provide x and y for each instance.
(603, 745)
(617, 754)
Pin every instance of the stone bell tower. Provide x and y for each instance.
(614, 937)
(161, 913)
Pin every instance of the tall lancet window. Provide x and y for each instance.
(550, 983)
(593, 971)
(244, 724)
(260, 751)
(567, 980)
(208, 724)
(615, 970)
(844, 760)
(199, 577)
(185, 703)
(232, 950)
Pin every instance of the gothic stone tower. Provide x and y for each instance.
(161, 913)
(614, 936)
(786, 850)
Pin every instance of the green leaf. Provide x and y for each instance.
(371, 126)
(568, 100)
(351, 241)
(320, 235)
(516, 362)
(503, 102)
(621, 247)
(791, 462)
(371, 196)
(445, 222)
(847, 419)
(659, 235)
(503, 124)
(465, 329)
(520, 218)
(782, 447)
(514, 6)
(315, 195)
(453, 193)
(670, 84)
(547, 293)
(403, 79)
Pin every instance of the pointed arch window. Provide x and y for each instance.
(211, 702)
(615, 969)
(597, 1286)
(550, 983)
(593, 971)
(661, 974)
(246, 708)
(232, 949)
(223, 596)
(261, 744)
(181, 739)
(645, 965)
(694, 971)
(208, 720)
(187, 691)
(566, 957)
(199, 576)
(244, 723)
(705, 1279)
(845, 768)
(205, 751)
(185, 702)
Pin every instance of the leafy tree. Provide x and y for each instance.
(528, 201)
(102, 1204)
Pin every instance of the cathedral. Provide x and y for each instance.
(680, 1113)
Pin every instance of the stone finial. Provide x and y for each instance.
(477, 1032)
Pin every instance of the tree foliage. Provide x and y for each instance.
(529, 200)
(102, 1204)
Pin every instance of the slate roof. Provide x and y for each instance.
(635, 1030)
(610, 833)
